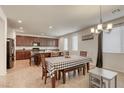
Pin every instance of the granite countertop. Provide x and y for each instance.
(40, 51)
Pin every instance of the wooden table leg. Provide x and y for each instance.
(53, 81)
(64, 77)
(56, 73)
(115, 81)
(59, 75)
(88, 67)
(84, 70)
(74, 72)
(30, 61)
(78, 71)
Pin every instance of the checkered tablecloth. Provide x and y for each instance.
(59, 63)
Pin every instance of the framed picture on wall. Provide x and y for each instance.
(87, 37)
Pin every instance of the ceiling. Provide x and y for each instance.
(64, 19)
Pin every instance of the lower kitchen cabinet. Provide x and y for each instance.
(23, 54)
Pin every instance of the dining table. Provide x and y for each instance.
(55, 64)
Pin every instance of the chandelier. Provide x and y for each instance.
(100, 28)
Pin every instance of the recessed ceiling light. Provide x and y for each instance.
(21, 28)
(19, 21)
(13, 30)
(19, 31)
(50, 27)
(42, 33)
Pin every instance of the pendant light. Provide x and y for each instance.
(100, 25)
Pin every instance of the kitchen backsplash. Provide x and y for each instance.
(30, 48)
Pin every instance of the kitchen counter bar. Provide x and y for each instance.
(26, 54)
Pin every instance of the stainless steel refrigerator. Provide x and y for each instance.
(10, 53)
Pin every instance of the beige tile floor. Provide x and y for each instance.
(25, 76)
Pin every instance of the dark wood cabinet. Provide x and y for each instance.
(43, 42)
(19, 40)
(56, 42)
(23, 54)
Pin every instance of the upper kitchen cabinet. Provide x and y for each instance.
(52, 42)
(24, 41)
(49, 42)
(20, 41)
(56, 42)
(43, 42)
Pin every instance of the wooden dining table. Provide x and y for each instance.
(55, 64)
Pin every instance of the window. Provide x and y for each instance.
(113, 42)
(75, 42)
(65, 44)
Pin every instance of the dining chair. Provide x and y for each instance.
(54, 54)
(36, 59)
(66, 53)
(44, 68)
(84, 54)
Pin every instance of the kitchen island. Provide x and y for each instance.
(37, 60)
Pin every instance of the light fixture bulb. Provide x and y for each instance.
(21, 31)
(19, 21)
(92, 30)
(50, 27)
(97, 32)
(99, 27)
(21, 28)
(109, 26)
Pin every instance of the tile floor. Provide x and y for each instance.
(25, 76)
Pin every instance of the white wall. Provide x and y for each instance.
(11, 33)
(3, 35)
(114, 61)
(89, 45)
